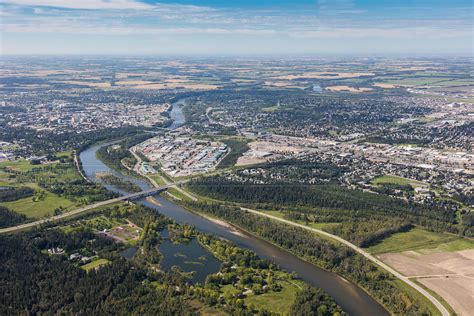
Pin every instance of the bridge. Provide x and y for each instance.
(128, 197)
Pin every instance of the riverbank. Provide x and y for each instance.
(353, 299)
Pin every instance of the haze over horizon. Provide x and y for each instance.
(211, 27)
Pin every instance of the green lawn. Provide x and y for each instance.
(278, 302)
(390, 179)
(18, 165)
(175, 192)
(421, 240)
(158, 179)
(96, 263)
(41, 208)
(320, 225)
(102, 222)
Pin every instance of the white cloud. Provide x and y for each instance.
(83, 4)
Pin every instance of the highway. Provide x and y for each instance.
(128, 197)
(439, 306)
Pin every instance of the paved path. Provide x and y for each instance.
(88, 208)
(398, 275)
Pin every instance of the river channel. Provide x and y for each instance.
(349, 296)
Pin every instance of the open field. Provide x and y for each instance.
(95, 264)
(449, 274)
(47, 201)
(456, 291)
(384, 85)
(157, 178)
(443, 263)
(278, 302)
(417, 239)
(390, 179)
(416, 264)
(40, 208)
(21, 165)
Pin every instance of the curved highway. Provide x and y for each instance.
(439, 306)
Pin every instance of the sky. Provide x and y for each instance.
(236, 28)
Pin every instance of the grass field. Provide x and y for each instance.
(41, 208)
(50, 201)
(94, 264)
(278, 302)
(158, 179)
(177, 193)
(421, 240)
(390, 179)
(19, 165)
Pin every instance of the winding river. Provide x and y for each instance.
(349, 296)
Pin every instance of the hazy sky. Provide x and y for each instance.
(232, 27)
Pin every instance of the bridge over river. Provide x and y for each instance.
(128, 197)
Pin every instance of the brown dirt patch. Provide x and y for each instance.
(449, 274)
(458, 291)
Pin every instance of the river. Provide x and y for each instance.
(349, 296)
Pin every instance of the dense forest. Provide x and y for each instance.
(38, 283)
(113, 155)
(318, 199)
(120, 183)
(34, 280)
(363, 231)
(312, 302)
(8, 194)
(10, 218)
(323, 253)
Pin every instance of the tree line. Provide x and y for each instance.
(328, 201)
(322, 253)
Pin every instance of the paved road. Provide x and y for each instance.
(398, 275)
(88, 208)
